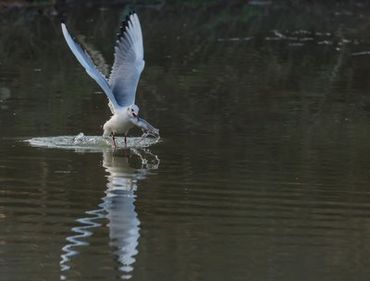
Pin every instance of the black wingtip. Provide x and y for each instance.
(124, 24)
(62, 18)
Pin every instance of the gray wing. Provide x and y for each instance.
(128, 61)
(89, 66)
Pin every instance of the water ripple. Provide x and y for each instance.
(84, 143)
(117, 207)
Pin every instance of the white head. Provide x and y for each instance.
(133, 111)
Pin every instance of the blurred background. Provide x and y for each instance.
(238, 56)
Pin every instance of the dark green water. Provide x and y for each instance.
(263, 168)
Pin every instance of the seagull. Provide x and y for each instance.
(121, 86)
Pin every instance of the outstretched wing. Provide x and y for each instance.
(128, 61)
(89, 66)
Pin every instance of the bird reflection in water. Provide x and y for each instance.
(117, 207)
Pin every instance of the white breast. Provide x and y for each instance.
(119, 123)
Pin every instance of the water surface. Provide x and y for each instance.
(262, 171)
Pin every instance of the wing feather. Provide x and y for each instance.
(128, 61)
(89, 66)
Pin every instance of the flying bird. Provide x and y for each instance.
(121, 86)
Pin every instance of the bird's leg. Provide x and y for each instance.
(125, 140)
(114, 141)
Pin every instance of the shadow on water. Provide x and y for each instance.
(117, 207)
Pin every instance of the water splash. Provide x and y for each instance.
(82, 142)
